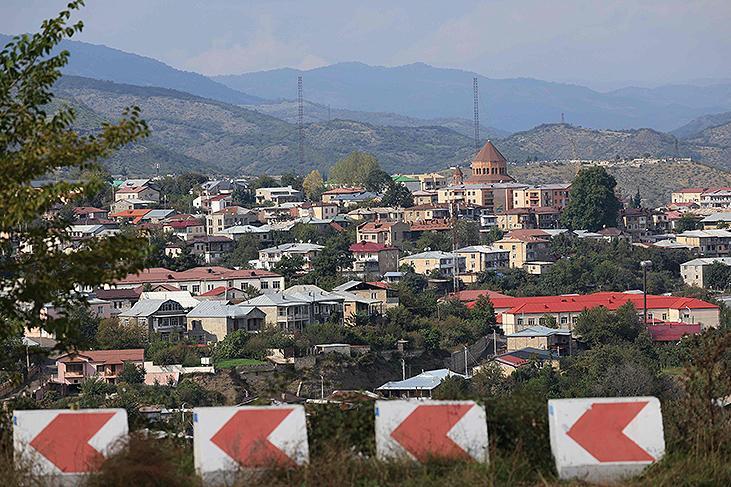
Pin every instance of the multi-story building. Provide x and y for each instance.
(693, 272)
(524, 247)
(481, 258)
(422, 213)
(546, 195)
(373, 259)
(278, 195)
(228, 217)
(269, 257)
(199, 280)
(637, 222)
(329, 195)
(688, 195)
(298, 306)
(211, 248)
(427, 262)
(211, 321)
(165, 317)
(528, 218)
(716, 198)
(473, 194)
(390, 233)
(186, 229)
(144, 191)
(708, 243)
(76, 367)
(322, 211)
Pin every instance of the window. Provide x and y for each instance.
(275, 284)
(196, 289)
(264, 285)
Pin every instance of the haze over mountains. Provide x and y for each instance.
(412, 118)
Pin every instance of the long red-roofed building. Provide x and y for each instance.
(517, 313)
(199, 280)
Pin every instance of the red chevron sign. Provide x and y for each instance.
(225, 439)
(605, 439)
(68, 442)
(422, 430)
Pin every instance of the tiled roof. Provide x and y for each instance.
(108, 356)
(672, 332)
(161, 274)
(369, 247)
(489, 153)
(472, 295)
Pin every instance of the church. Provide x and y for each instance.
(489, 166)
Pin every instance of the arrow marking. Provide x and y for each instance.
(65, 441)
(600, 431)
(245, 438)
(424, 432)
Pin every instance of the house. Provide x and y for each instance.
(329, 195)
(688, 195)
(719, 220)
(224, 293)
(511, 361)
(121, 299)
(298, 306)
(637, 222)
(269, 257)
(76, 367)
(542, 196)
(422, 197)
(278, 195)
(716, 198)
(262, 233)
(213, 203)
(211, 248)
(157, 216)
(370, 258)
(431, 181)
(390, 233)
(419, 386)
(131, 204)
(541, 337)
(475, 194)
(131, 216)
(672, 332)
(165, 317)
(709, 243)
(373, 213)
(524, 247)
(202, 279)
(481, 258)
(350, 199)
(517, 313)
(211, 321)
(183, 298)
(693, 272)
(142, 192)
(85, 232)
(428, 212)
(537, 267)
(321, 211)
(427, 262)
(228, 217)
(186, 229)
(528, 218)
(90, 213)
(380, 292)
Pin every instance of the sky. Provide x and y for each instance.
(599, 43)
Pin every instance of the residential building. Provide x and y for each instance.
(329, 195)
(298, 306)
(637, 222)
(390, 233)
(541, 337)
(542, 196)
(186, 229)
(716, 198)
(708, 243)
(411, 183)
(382, 293)
(517, 313)
(76, 367)
(425, 197)
(537, 267)
(268, 258)
(688, 195)
(164, 317)
(375, 213)
(473, 194)
(481, 258)
(213, 203)
(84, 232)
(199, 280)
(528, 218)
(423, 213)
(419, 386)
(370, 258)
(693, 272)
(278, 195)
(230, 216)
(434, 261)
(263, 232)
(211, 321)
(121, 299)
(211, 248)
(321, 211)
(717, 221)
(131, 204)
(431, 181)
(509, 362)
(349, 199)
(83, 213)
(524, 247)
(489, 166)
(143, 191)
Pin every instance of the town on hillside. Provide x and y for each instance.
(356, 319)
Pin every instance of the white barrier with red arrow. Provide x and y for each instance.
(67, 442)
(228, 439)
(605, 439)
(421, 430)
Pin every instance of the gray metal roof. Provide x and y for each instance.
(219, 309)
(539, 331)
(144, 307)
(425, 381)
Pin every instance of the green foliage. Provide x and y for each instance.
(86, 322)
(112, 334)
(162, 352)
(599, 326)
(592, 204)
(313, 185)
(353, 170)
(240, 344)
(178, 191)
(132, 374)
(687, 222)
(34, 144)
(397, 195)
(335, 257)
(293, 180)
(289, 266)
(483, 314)
(434, 241)
(378, 181)
(246, 249)
(491, 236)
(468, 233)
(717, 276)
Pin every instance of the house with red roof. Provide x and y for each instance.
(670, 332)
(330, 194)
(373, 259)
(145, 192)
(389, 233)
(517, 313)
(90, 213)
(186, 229)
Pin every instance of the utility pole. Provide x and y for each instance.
(494, 342)
(466, 370)
(403, 369)
(476, 108)
(454, 207)
(301, 121)
(645, 264)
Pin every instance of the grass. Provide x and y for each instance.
(235, 362)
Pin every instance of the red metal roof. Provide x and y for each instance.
(473, 295)
(108, 356)
(672, 331)
(216, 291)
(85, 210)
(369, 247)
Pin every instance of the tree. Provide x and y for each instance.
(717, 276)
(636, 201)
(483, 313)
(353, 170)
(86, 322)
(434, 241)
(592, 202)
(686, 223)
(397, 195)
(132, 374)
(289, 266)
(599, 326)
(492, 235)
(335, 257)
(246, 249)
(186, 260)
(378, 181)
(112, 334)
(293, 180)
(313, 185)
(468, 233)
(33, 145)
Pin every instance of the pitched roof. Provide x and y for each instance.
(369, 247)
(219, 309)
(126, 293)
(109, 356)
(520, 357)
(539, 331)
(85, 210)
(428, 381)
(473, 295)
(672, 332)
(489, 153)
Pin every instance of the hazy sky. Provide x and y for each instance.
(602, 43)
